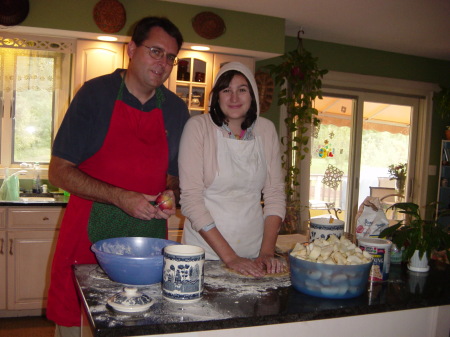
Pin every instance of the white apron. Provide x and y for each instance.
(234, 198)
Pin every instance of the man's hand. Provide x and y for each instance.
(69, 177)
(139, 205)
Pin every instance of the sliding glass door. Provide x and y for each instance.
(360, 137)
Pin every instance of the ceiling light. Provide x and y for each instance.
(200, 48)
(107, 38)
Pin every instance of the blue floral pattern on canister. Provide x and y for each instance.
(183, 276)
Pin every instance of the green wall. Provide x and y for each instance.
(243, 31)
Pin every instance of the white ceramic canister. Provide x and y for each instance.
(183, 273)
(380, 251)
(325, 227)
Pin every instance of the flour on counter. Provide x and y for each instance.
(217, 277)
(239, 292)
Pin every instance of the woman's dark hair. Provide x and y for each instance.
(143, 27)
(217, 114)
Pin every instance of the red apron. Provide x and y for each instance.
(134, 156)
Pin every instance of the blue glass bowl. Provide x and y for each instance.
(329, 281)
(132, 260)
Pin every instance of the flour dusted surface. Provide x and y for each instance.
(217, 277)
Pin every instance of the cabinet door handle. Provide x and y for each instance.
(11, 246)
(45, 218)
(2, 242)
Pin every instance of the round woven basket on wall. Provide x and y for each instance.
(13, 12)
(109, 15)
(208, 25)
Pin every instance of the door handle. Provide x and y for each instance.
(11, 247)
(2, 242)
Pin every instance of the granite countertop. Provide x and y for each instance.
(232, 301)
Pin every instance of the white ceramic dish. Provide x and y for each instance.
(130, 300)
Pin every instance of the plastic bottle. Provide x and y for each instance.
(396, 254)
(37, 178)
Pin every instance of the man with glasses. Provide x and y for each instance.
(116, 150)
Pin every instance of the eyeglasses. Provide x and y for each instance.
(158, 53)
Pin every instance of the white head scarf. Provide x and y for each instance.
(246, 72)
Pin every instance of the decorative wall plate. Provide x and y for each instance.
(109, 15)
(265, 88)
(208, 25)
(13, 12)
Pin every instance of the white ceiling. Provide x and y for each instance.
(413, 27)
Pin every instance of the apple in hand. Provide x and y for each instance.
(164, 201)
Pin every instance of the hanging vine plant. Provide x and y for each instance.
(303, 78)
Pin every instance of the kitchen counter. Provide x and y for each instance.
(59, 200)
(231, 301)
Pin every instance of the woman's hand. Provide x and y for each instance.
(246, 267)
(271, 264)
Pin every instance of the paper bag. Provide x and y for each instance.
(371, 219)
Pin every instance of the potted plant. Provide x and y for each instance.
(300, 73)
(398, 172)
(419, 237)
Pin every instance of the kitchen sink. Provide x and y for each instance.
(36, 199)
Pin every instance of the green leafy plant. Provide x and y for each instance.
(415, 233)
(300, 72)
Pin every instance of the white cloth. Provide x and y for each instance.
(234, 198)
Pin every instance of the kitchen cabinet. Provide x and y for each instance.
(192, 78)
(443, 196)
(2, 269)
(175, 226)
(96, 58)
(2, 259)
(29, 241)
(222, 59)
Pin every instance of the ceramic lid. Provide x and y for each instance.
(130, 300)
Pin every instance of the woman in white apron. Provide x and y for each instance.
(228, 159)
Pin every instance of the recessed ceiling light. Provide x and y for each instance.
(107, 38)
(200, 48)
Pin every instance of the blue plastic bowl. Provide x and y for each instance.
(329, 281)
(132, 260)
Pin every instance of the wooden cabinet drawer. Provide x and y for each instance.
(35, 217)
(2, 218)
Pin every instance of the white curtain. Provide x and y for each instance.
(24, 70)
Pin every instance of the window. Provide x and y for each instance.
(34, 92)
